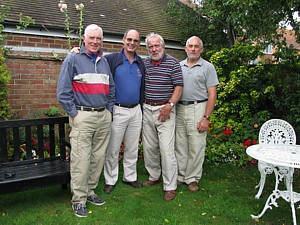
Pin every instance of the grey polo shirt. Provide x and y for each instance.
(197, 79)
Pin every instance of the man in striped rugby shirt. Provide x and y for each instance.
(163, 88)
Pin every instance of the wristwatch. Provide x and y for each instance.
(171, 104)
(206, 117)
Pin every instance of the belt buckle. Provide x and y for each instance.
(185, 102)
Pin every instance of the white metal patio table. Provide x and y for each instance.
(279, 155)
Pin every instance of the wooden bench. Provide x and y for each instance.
(33, 153)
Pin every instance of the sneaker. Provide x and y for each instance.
(94, 199)
(80, 210)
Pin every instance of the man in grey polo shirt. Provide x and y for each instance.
(193, 113)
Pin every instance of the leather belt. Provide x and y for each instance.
(126, 106)
(155, 103)
(191, 102)
(91, 109)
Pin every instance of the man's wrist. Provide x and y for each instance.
(171, 104)
(207, 117)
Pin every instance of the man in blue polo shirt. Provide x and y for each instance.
(128, 71)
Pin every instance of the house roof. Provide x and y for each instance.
(114, 16)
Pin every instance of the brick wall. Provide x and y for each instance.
(34, 75)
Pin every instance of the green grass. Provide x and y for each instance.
(226, 196)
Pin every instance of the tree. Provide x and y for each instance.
(190, 22)
(232, 20)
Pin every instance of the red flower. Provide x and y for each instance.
(228, 131)
(210, 124)
(254, 142)
(247, 143)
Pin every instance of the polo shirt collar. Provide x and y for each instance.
(125, 57)
(199, 63)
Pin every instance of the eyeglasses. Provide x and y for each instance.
(95, 38)
(131, 39)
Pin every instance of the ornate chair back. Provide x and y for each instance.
(274, 131)
(277, 131)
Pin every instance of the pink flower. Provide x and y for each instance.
(60, 3)
(79, 6)
(63, 7)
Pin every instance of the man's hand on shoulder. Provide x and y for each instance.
(75, 50)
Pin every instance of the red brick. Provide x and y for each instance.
(47, 40)
(22, 81)
(28, 44)
(20, 38)
(42, 45)
(33, 39)
(15, 43)
(21, 92)
(36, 82)
(57, 46)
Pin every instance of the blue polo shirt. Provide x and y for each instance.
(128, 78)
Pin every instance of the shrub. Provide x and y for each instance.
(5, 112)
(240, 109)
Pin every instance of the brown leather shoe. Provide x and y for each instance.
(134, 184)
(108, 188)
(169, 195)
(179, 182)
(193, 187)
(151, 183)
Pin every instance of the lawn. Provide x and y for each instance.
(226, 196)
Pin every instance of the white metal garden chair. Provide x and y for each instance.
(274, 131)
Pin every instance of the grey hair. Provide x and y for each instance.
(200, 41)
(162, 42)
(92, 27)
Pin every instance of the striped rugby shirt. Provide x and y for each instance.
(162, 78)
(83, 82)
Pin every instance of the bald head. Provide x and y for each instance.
(194, 48)
(131, 41)
(194, 39)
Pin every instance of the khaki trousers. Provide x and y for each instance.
(190, 144)
(89, 138)
(158, 143)
(126, 125)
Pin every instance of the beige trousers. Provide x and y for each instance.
(158, 143)
(126, 125)
(190, 144)
(89, 138)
